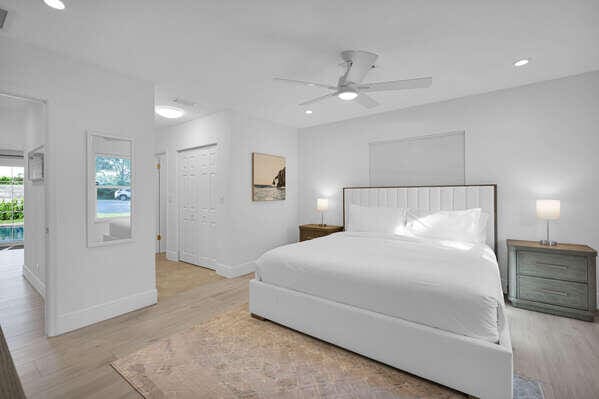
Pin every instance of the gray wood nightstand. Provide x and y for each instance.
(311, 231)
(560, 279)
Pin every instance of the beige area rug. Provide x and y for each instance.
(236, 356)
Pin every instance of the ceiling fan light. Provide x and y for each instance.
(347, 95)
(169, 112)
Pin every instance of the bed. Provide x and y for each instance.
(433, 308)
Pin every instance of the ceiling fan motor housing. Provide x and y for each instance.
(358, 64)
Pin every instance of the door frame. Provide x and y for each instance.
(161, 159)
(178, 195)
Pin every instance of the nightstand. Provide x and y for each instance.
(558, 279)
(310, 231)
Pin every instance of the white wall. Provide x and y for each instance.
(245, 229)
(12, 118)
(258, 226)
(85, 285)
(536, 141)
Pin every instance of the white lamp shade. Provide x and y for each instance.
(548, 209)
(322, 204)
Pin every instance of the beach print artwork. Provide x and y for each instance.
(268, 177)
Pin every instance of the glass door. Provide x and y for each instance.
(11, 204)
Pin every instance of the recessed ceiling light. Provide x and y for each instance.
(56, 4)
(521, 62)
(347, 95)
(169, 112)
(308, 111)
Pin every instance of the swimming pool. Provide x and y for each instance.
(11, 233)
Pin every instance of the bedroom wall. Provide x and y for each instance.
(85, 285)
(258, 226)
(246, 229)
(11, 127)
(535, 141)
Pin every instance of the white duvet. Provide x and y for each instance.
(448, 285)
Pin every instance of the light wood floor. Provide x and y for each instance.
(561, 353)
(172, 278)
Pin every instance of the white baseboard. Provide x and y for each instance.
(237, 270)
(35, 282)
(172, 255)
(93, 314)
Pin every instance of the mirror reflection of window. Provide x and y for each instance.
(113, 187)
(110, 189)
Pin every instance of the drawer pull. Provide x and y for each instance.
(545, 291)
(564, 267)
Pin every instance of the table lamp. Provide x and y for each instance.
(548, 210)
(322, 205)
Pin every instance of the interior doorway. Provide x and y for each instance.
(160, 201)
(23, 238)
(174, 276)
(197, 205)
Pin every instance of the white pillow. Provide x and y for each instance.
(376, 220)
(469, 225)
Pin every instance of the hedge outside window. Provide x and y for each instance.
(113, 187)
(11, 204)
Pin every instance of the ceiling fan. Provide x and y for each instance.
(350, 86)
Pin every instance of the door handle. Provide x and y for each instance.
(563, 267)
(546, 291)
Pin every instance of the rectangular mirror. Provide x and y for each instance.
(109, 189)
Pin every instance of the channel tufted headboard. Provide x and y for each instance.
(428, 198)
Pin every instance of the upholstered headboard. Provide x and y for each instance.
(428, 198)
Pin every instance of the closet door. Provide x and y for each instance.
(197, 206)
(189, 187)
(208, 206)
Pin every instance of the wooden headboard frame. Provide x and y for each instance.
(439, 186)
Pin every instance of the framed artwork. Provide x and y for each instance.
(35, 164)
(268, 177)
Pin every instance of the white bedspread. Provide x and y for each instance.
(448, 285)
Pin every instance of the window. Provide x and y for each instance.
(419, 161)
(11, 204)
(113, 187)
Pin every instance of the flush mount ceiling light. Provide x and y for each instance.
(347, 95)
(56, 4)
(169, 112)
(521, 62)
(308, 111)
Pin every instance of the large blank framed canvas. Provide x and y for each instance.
(419, 161)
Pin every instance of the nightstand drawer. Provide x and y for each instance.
(555, 292)
(557, 266)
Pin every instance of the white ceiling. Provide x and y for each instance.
(223, 54)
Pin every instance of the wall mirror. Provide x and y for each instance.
(109, 190)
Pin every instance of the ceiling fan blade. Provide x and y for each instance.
(312, 101)
(304, 83)
(418, 83)
(366, 101)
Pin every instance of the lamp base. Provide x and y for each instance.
(548, 243)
